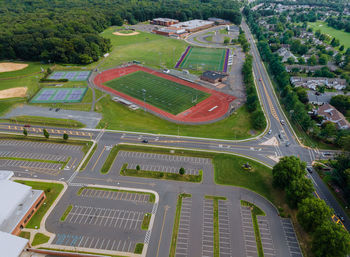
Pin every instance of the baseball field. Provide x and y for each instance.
(159, 92)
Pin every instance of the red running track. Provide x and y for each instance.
(210, 109)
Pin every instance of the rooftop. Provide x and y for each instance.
(10, 245)
(213, 75)
(6, 174)
(192, 24)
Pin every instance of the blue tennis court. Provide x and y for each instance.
(70, 75)
(59, 95)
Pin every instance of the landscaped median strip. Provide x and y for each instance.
(160, 175)
(216, 222)
(176, 223)
(146, 220)
(39, 239)
(66, 212)
(255, 212)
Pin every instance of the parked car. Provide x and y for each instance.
(145, 141)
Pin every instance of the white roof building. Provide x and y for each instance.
(10, 245)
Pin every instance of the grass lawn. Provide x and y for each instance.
(52, 190)
(159, 92)
(176, 224)
(160, 175)
(153, 50)
(341, 35)
(199, 58)
(119, 117)
(66, 212)
(255, 210)
(45, 121)
(39, 239)
(146, 220)
(25, 235)
(138, 248)
(7, 104)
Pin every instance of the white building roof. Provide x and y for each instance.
(10, 245)
(6, 174)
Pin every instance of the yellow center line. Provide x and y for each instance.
(104, 148)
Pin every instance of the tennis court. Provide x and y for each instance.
(159, 92)
(197, 58)
(59, 95)
(70, 75)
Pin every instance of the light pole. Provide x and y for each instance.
(144, 98)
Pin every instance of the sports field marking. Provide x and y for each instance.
(159, 92)
(197, 58)
(59, 95)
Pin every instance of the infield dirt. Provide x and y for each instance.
(9, 66)
(13, 92)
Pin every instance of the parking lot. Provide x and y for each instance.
(163, 162)
(32, 145)
(224, 229)
(266, 238)
(105, 217)
(291, 238)
(248, 232)
(207, 229)
(182, 244)
(31, 155)
(101, 219)
(92, 242)
(116, 195)
(50, 168)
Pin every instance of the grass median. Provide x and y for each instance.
(66, 212)
(255, 210)
(146, 220)
(52, 190)
(176, 224)
(45, 121)
(39, 239)
(160, 175)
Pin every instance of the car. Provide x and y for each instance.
(270, 131)
(279, 135)
(166, 70)
(287, 144)
(282, 122)
(260, 79)
(27, 126)
(57, 109)
(145, 141)
(50, 109)
(309, 169)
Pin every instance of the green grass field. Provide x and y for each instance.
(159, 92)
(344, 37)
(199, 58)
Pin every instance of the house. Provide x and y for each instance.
(286, 54)
(307, 68)
(213, 76)
(318, 98)
(314, 82)
(329, 113)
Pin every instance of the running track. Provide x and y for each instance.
(210, 109)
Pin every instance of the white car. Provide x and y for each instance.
(270, 131)
(282, 122)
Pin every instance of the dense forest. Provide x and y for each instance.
(68, 31)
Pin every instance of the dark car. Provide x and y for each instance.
(145, 141)
(309, 170)
(27, 126)
(57, 109)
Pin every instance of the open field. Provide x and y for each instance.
(344, 37)
(159, 92)
(119, 117)
(197, 58)
(151, 49)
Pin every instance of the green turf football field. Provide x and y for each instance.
(204, 59)
(161, 93)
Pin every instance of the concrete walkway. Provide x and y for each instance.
(90, 119)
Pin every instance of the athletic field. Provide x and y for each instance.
(197, 58)
(59, 95)
(164, 94)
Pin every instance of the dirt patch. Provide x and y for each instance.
(126, 34)
(13, 92)
(9, 66)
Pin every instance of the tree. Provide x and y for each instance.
(138, 167)
(182, 171)
(331, 239)
(312, 60)
(328, 130)
(258, 120)
(338, 58)
(287, 169)
(65, 136)
(226, 40)
(46, 134)
(341, 103)
(323, 59)
(25, 132)
(298, 190)
(341, 48)
(312, 213)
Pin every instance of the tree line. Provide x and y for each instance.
(68, 31)
(313, 214)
